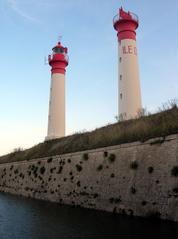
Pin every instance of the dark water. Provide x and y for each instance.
(34, 219)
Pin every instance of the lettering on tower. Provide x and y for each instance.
(129, 50)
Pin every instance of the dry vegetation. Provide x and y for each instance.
(145, 127)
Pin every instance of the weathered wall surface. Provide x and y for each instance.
(134, 178)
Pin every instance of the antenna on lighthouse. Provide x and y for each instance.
(59, 38)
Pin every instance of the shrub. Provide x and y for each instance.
(34, 169)
(115, 200)
(11, 167)
(153, 214)
(78, 184)
(100, 167)
(49, 160)
(95, 195)
(150, 169)
(134, 165)
(105, 154)
(42, 170)
(52, 169)
(17, 150)
(78, 167)
(85, 156)
(59, 170)
(175, 190)
(144, 203)
(16, 171)
(112, 158)
(114, 210)
(133, 190)
(174, 171)
(131, 212)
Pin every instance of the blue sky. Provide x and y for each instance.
(30, 28)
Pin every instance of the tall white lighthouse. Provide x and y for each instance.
(58, 61)
(126, 23)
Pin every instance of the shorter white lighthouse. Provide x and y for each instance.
(126, 23)
(58, 61)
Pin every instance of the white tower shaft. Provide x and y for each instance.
(129, 83)
(56, 118)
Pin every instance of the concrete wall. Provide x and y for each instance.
(130, 178)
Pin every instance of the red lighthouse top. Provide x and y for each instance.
(125, 23)
(58, 60)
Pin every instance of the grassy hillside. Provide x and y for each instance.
(160, 124)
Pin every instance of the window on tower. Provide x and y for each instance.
(58, 50)
(121, 96)
(120, 77)
(120, 59)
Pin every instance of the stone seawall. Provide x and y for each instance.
(138, 179)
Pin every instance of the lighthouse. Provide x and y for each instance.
(58, 61)
(129, 95)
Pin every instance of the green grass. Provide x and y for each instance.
(145, 127)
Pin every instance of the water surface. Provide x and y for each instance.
(22, 218)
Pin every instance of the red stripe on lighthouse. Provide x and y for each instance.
(58, 62)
